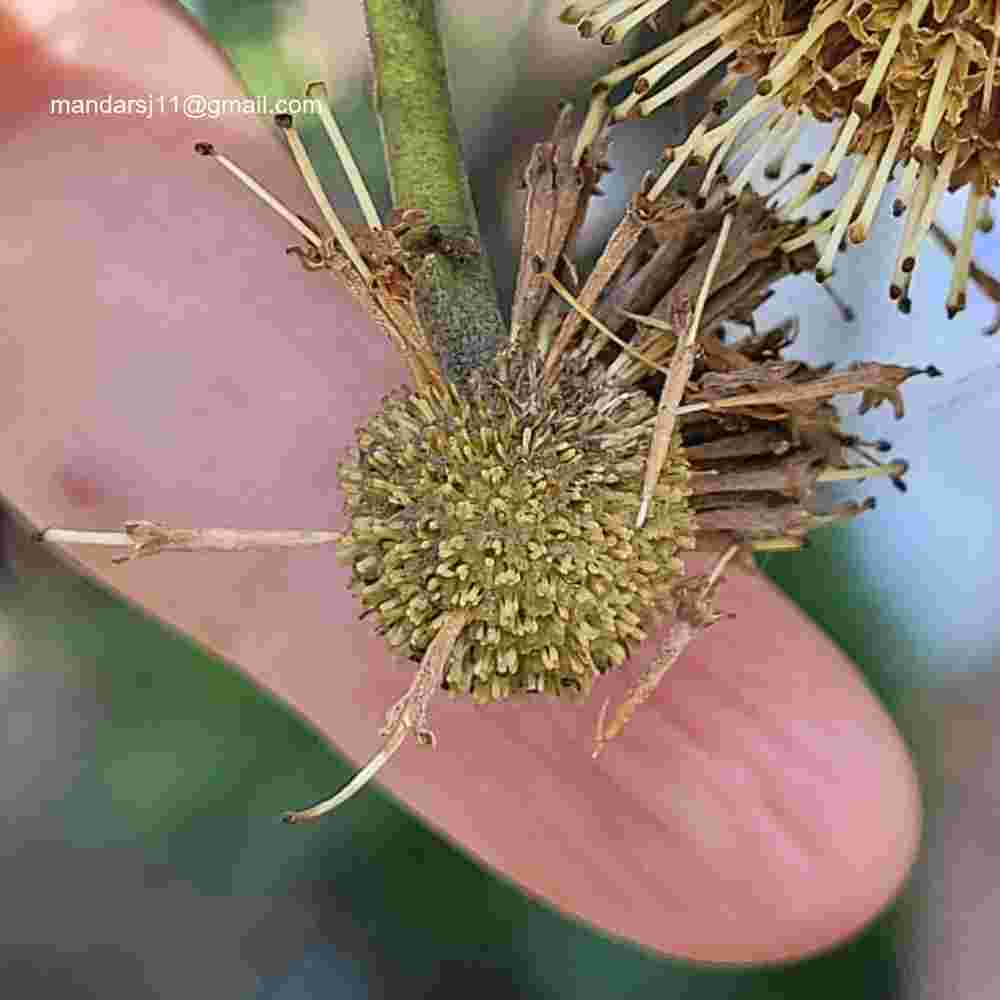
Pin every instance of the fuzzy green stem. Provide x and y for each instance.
(426, 170)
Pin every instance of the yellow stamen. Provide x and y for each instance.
(258, 189)
(616, 32)
(312, 180)
(894, 470)
(622, 73)
(904, 194)
(935, 102)
(752, 108)
(824, 269)
(686, 80)
(680, 157)
(780, 544)
(700, 37)
(858, 231)
(344, 154)
(593, 23)
(863, 102)
(788, 65)
(839, 151)
(575, 12)
(942, 175)
(900, 278)
(963, 257)
(594, 121)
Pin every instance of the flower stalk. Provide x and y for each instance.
(456, 295)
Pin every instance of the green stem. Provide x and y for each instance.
(455, 295)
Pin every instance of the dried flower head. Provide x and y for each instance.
(911, 84)
(517, 503)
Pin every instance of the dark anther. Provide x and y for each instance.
(283, 120)
(205, 148)
(933, 371)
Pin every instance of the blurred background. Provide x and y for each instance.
(134, 761)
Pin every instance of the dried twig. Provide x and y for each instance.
(147, 538)
(876, 381)
(680, 372)
(622, 242)
(694, 615)
(409, 714)
(680, 635)
(561, 177)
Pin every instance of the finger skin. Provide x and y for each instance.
(163, 359)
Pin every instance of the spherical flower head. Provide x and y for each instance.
(517, 502)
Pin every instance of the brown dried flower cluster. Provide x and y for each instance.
(758, 430)
(910, 84)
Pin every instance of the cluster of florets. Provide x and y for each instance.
(517, 502)
(923, 67)
(910, 84)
